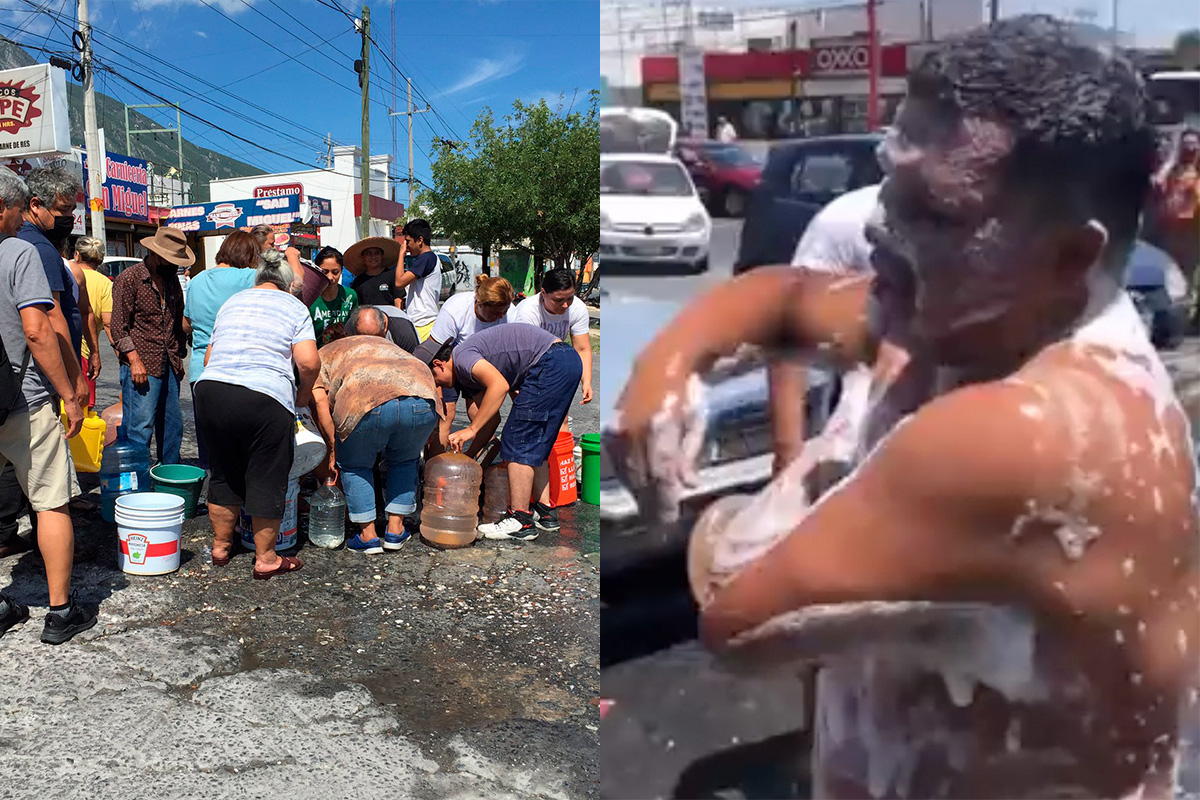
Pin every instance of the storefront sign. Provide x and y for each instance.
(693, 93)
(280, 190)
(842, 59)
(33, 112)
(236, 214)
(125, 188)
(716, 20)
(320, 212)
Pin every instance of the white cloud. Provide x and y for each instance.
(228, 6)
(553, 98)
(486, 70)
(202, 34)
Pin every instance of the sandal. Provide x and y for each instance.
(286, 564)
(221, 561)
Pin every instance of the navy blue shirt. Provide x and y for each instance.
(61, 281)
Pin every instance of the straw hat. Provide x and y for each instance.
(170, 244)
(390, 248)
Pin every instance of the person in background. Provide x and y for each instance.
(400, 331)
(374, 261)
(543, 372)
(422, 278)
(263, 338)
(333, 307)
(373, 399)
(1177, 189)
(725, 131)
(206, 293)
(89, 256)
(148, 335)
(557, 310)
(462, 315)
(31, 435)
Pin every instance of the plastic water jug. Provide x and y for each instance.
(450, 506)
(327, 516)
(125, 469)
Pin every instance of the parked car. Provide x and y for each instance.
(800, 178)
(650, 215)
(449, 276)
(1159, 290)
(115, 265)
(725, 174)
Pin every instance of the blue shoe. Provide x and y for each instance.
(395, 541)
(371, 547)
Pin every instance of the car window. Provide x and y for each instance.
(646, 178)
(822, 174)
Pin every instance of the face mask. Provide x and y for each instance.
(61, 230)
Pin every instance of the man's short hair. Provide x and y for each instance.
(49, 183)
(1082, 141)
(355, 321)
(13, 190)
(445, 352)
(418, 229)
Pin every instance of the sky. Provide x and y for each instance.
(281, 72)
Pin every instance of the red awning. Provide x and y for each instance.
(733, 67)
(381, 208)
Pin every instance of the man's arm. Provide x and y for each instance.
(324, 418)
(927, 517)
(787, 385)
(44, 349)
(67, 350)
(495, 388)
(583, 346)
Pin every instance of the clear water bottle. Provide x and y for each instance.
(327, 516)
(124, 469)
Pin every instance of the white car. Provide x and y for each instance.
(651, 215)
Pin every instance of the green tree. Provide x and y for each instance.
(529, 182)
(1187, 49)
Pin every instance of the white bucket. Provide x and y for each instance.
(310, 447)
(149, 527)
(288, 528)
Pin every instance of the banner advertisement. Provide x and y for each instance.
(33, 112)
(320, 212)
(693, 93)
(125, 188)
(235, 214)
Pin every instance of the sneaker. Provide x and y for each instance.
(395, 541)
(545, 517)
(63, 627)
(13, 614)
(513, 525)
(369, 548)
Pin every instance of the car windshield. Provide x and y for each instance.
(733, 156)
(654, 179)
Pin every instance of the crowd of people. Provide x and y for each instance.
(998, 586)
(378, 364)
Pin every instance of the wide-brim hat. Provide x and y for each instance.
(170, 244)
(353, 256)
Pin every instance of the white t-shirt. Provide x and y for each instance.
(575, 322)
(456, 321)
(836, 240)
(421, 301)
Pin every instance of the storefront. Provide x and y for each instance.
(772, 95)
(207, 224)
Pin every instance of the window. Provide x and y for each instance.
(659, 179)
(822, 174)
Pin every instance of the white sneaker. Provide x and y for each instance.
(510, 526)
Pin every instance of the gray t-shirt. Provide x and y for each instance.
(23, 283)
(512, 349)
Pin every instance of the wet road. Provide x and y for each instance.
(420, 673)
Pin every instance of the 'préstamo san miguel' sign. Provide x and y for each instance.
(33, 112)
(125, 188)
(235, 214)
(281, 190)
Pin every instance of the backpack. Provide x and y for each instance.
(10, 381)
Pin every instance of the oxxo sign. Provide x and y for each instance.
(842, 59)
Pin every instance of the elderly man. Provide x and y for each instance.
(147, 331)
(373, 398)
(31, 436)
(1004, 591)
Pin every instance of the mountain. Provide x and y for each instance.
(200, 163)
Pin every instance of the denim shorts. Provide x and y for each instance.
(541, 406)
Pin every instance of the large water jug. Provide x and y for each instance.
(124, 469)
(450, 506)
(327, 516)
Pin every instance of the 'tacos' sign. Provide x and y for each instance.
(33, 112)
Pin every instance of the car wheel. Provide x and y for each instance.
(701, 266)
(734, 203)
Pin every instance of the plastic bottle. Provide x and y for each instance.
(327, 516)
(450, 507)
(124, 469)
(112, 417)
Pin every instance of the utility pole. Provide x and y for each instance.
(409, 114)
(327, 153)
(91, 133)
(364, 79)
(995, 10)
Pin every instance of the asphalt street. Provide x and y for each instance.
(722, 252)
(421, 673)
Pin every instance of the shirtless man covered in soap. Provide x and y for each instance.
(1004, 594)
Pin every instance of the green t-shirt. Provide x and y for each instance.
(327, 315)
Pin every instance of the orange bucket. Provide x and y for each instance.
(563, 488)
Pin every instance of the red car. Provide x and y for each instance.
(725, 174)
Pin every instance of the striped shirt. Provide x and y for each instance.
(252, 343)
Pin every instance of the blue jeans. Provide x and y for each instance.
(153, 409)
(399, 429)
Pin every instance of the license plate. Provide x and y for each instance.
(648, 250)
